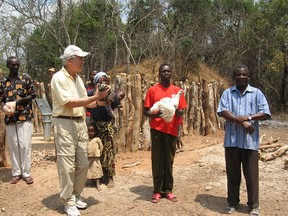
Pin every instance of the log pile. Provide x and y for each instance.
(271, 149)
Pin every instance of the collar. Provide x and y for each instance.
(248, 89)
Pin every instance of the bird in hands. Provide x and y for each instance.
(167, 106)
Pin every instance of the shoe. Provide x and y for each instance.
(172, 197)
(254, 212)
(72, 210)
(155, 198)
(15, 179)
(28, 180)
(80, 204)
(230, 209)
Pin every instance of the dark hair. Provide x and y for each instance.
(239, 67)
(162, 65)
(9, 59)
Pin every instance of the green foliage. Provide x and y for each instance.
(219, 33)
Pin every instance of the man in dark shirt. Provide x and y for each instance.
(16, 94)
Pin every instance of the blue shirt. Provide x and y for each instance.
(252, 101)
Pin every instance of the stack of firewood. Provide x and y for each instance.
(271, 149)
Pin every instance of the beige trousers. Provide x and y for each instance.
(18, 137)
(71, 138)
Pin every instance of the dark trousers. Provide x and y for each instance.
(163, 150)
(234, 157)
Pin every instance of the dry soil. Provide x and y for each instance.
(199, 175)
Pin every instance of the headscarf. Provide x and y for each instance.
(98, 76)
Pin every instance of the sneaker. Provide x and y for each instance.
(254, 212)
(71, 210)
(230, 209)
(80, 204)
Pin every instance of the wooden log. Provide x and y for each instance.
(271, 156)
(138, 111)
(121, 139)
(205, 107)
(270, 142)
(212, 114)
(4, 154)
(130, 116)
(131, 165)
(185, 86)
(274, 145)
(192, 107)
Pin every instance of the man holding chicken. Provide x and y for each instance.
(164, 131)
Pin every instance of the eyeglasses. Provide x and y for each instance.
(166, 71)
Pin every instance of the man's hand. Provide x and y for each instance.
(9, 108)
(103, 93)
(248, 127)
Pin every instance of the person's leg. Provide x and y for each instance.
(25, 135)
(251, 174)
(12, 142)
(81, 159)
(233, 171)
(64, 131)
(111, 164)
(157, 158)
(108, 160)
(169, 154)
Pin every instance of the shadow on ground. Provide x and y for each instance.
(217, 203)
(5, 174)
(143, 191)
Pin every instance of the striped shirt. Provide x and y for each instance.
(252, 101)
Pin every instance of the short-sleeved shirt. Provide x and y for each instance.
(12, 90)
(154, 94)
(64, 88)
(252, 101)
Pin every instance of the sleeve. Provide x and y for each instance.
(223, 104)
(182, 102)
(30, 86)
(263, 105)
(2, 96)
(148, 102)
(116, 102)
(61, 90)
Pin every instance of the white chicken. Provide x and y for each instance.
(167, 106)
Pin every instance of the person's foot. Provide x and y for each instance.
(155, 198)
(80, 204)
(15, 179)
(254, 212)
(172, 197)
(98, 187)
(72, 210)
(230, 209)
(28, 180)
(110, 182)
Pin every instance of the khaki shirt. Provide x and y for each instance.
(64, 88)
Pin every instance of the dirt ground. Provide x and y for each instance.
(199, 176)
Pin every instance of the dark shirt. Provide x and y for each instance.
(20, 88)
(104, 113)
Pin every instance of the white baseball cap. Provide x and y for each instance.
(73, 50)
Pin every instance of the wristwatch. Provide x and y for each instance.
(249, 118)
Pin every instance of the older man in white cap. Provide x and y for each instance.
(70, 131)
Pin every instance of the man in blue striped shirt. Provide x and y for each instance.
(242, 106)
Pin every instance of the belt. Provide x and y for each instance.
(71, 117)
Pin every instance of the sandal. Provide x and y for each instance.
(15, 179)
(155, 198)
(28, 180)
(172, 197)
